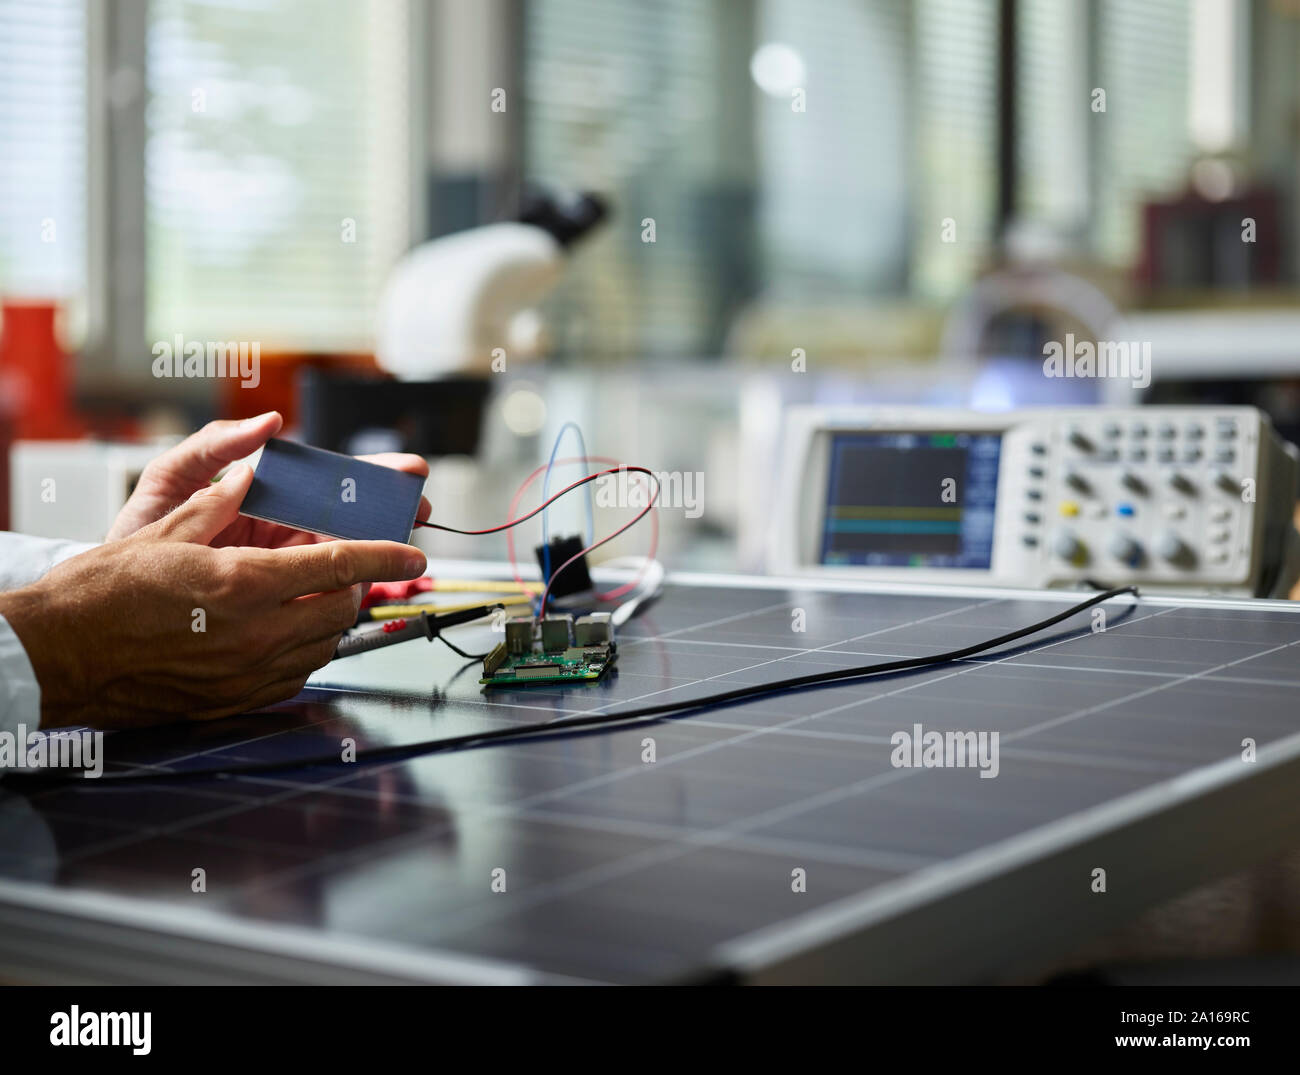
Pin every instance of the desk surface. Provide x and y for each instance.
(1120, 750)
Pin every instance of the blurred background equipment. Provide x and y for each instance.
(360, 414)
(74, 489)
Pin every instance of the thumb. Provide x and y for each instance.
(199, 456)
(208, 512)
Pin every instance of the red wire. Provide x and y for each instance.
(608, 595)
(544, 504)
(546, 593)
(621, 469)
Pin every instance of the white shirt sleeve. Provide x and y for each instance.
(22, 560)
(20, 695)
(25, 559)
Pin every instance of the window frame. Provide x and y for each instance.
(116, 346)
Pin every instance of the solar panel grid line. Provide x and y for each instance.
(633, 701)
(720, 621)
(961, 660)
(1068, 717)
(892, 861)
(1255, 682)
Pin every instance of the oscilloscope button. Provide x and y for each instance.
(1173, 549)
(1125, 550)
(1069, 548)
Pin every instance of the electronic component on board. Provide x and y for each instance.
(519, 634)
(557, 633)
(560, 652)
(576, 577)
(593, 629)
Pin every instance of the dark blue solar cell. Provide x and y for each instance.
(328, 493)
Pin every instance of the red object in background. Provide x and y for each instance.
(35, 373)
(388, 593)
(1189, 242)
(277, 388)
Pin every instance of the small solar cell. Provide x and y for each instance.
(327, 493)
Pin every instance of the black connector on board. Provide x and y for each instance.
(576, 578)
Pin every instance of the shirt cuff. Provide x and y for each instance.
(65, 550)
(20, 694)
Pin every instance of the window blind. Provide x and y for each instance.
(954, 110)
(1052, 110)
(277, 168)
(622, 98)
(834, 179)
(1142, 141)
(43, 150)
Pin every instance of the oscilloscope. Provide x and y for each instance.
(1184, 499)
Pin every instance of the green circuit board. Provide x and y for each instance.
(577, 664)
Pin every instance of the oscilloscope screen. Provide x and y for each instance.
(919, 499)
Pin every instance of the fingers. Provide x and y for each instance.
(205, 514)
(199, 456)
(336, 565)
(258, 698)
(324, 615)
(286, 675)
(412, 464)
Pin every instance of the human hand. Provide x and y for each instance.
(189, 466)
(161, 626)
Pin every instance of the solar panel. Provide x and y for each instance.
(777, 839)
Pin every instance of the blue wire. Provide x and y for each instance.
(546, 492)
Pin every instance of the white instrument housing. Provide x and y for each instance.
(1184, 499)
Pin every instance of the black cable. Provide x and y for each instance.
(456, 649)
(427, 625)
(562, 724)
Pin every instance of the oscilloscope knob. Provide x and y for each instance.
(1069, 548)
(1174, 549)
(1125, 550)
